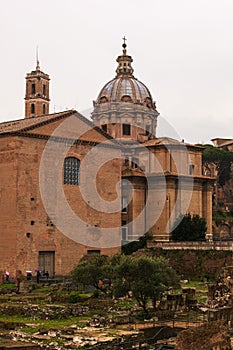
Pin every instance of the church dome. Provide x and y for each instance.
(125, 87)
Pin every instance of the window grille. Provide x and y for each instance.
(71, 171)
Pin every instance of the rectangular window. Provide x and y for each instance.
(33, 91)
(135, 163)
(126, 129)
(147, 129)
(126, 161)
(171, 161)
(44, 89)
(104, 127)
(32, 108)
(124, 204)
(93, 252)
(124, 231)
(71, 171)
(191, 169)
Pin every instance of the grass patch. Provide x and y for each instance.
(46, 324)
(125, 304)
(7, 286)
(222, 217)
(17, 318)
(201, 290)
(199, 285)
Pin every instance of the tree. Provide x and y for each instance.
(92, 271)
(122, 276)
(222, 158)
(145, 277)
(189, 229)
(133, 246)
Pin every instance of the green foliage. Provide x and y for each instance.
(222, 159)
(132, 247)
(91, 271)
(196, 263)
(36, 324)
(189, 229)
(96, 294)
(214, 154)
(220, 217)
(74, 297)
(7, 286)
(145, 277)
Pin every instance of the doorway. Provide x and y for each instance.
(47, 262)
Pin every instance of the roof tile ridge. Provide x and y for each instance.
(54, 116)
(38, 116)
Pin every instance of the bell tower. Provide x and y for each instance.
(37, 93)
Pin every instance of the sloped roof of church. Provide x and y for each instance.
(227, 143)
(23, 124)
(168, 141)
(27, 124)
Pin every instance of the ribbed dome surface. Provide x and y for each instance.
(124, 88)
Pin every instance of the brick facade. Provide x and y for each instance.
(48, 221)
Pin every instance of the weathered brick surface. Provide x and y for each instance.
(21, 205)
(27, 228)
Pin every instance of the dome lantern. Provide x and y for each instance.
(125, 100)
(124, 63)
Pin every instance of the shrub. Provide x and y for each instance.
(189, 229)
(74, 297)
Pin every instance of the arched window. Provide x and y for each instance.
(32, 108)
(43, 108)
(71, 171)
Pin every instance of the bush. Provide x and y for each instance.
(74, 297)
(96, 294)
(189, 229)
(133, 246)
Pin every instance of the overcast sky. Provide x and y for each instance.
(182, 51)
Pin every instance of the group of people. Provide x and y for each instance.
(38, 275)
(6, 278)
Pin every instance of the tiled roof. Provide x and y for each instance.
(27, 124)
(227, 143)
(22, 124)
(168, 141)
(161, 141)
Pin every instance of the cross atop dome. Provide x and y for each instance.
(124, 62)
(124, 44)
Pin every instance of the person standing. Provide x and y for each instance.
(38, 274)
(46, 274)
(19, 278)
(7, 276)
